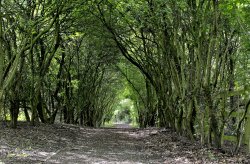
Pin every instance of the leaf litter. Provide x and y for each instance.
(62, 143)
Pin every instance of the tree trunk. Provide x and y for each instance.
(239, 128)
(26, 113)
(14, 111)
(40, 108)
(1, 56)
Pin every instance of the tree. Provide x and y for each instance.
(186, 50)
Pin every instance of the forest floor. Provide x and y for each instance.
(70, 144)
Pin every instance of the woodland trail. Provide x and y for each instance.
(70, 144)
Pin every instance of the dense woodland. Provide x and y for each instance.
(182, 64)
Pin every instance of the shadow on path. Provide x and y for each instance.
(73, 144)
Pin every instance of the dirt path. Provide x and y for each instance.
(72, 144)
(122, 126)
